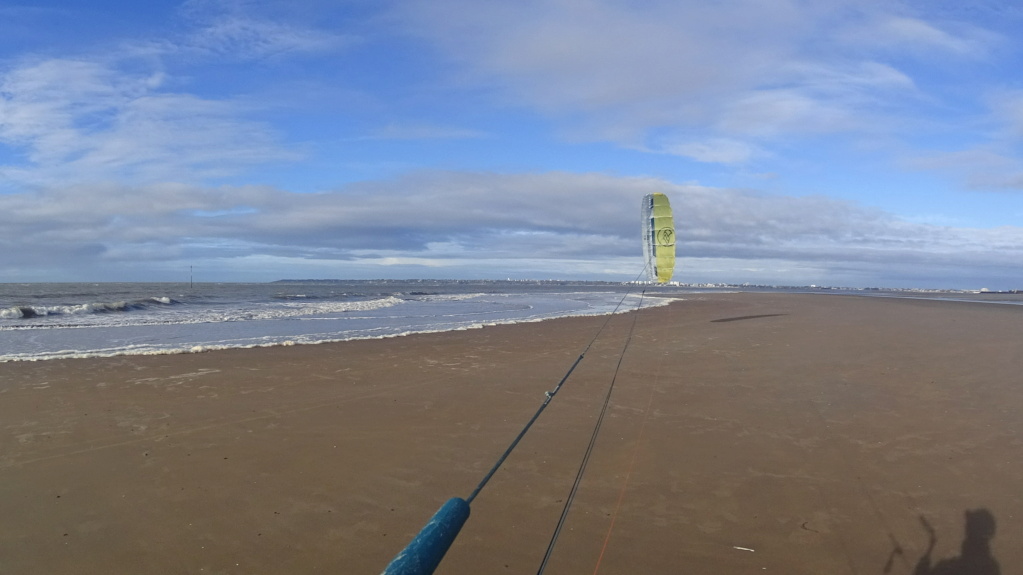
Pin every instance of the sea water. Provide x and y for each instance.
(48, 321)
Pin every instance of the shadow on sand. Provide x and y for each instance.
(744, 317)
(975, 553)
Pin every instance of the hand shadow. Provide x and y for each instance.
(975, 554)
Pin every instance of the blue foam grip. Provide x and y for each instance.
(422, 555)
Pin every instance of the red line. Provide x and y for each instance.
(628, 474)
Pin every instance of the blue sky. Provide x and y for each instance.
(800, 142)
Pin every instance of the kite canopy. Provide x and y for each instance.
(658, 238)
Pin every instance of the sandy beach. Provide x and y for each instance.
(747, 433)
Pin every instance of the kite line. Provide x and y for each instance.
(593, 442)
(422, 555)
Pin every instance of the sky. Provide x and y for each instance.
(827, 142)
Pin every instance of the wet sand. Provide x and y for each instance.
(747, 433)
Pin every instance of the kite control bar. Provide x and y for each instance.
(422, 555)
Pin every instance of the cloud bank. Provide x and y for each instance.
(491, 225)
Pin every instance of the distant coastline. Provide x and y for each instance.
(683, 285)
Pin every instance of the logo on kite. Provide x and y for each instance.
(666, 237)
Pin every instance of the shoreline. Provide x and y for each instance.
(270, 339)
(815, 431)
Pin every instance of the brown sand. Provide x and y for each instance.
(814, 430)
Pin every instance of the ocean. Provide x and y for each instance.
(42, 321)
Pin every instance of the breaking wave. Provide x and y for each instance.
(165, 310)
(36, 311)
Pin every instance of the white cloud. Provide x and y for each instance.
(86, 121)
(593, 55)
(771, 113)
(714, 150)
(927, 36)
(1007, 112)
(242, 30)
(981, 168)
(747, 72)
(424, 131)
(242, 37)
(993, 163)
(922, 39)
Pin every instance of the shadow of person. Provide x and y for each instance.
(975, 554)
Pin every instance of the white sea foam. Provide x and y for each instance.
(157, 325)
(94, 314)
(309, 339)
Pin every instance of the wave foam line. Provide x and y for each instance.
(267, 312)
(294, 340)
(32, 311)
